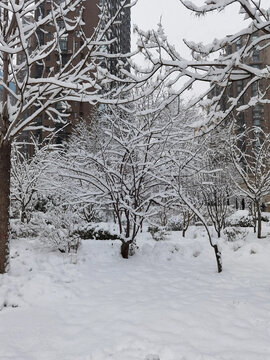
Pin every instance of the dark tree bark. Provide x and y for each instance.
(216, 249)
(259, 214)
(5, 154)
(125, 248)
(23, 214)
(218, 258)
(187, 216)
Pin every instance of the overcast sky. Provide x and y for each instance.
(180, 23)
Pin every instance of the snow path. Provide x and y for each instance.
(167, 300)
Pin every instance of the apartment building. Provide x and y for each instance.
(259, 115)
(254, 118)
(71, 43)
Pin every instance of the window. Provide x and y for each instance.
(238, 45)
(257, 115)
(239, 86)
(231, 91)
(254, 89)
(65, 59)
(38, 121)
(254, 36)
(39, 70)
(63, 44)
(255, 55)
(257, 122)
(40, 35)
(61, 24)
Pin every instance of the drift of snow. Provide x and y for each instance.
(167, 302)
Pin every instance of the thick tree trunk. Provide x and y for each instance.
(125, 249)
(5, 151)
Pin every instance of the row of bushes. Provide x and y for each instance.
(66, 237)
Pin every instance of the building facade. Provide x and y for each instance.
(258, 115)
(95, 13)
(253, 122)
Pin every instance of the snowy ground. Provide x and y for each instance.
(167, 300)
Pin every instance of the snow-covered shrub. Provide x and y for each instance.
(240, 218)
(98, 231)
(175, 223)
(61, 239)
(234, 233)
(24, 230)
(152, 357)
(27, 179)
(158, 232)
(59, 224)
(265, 217)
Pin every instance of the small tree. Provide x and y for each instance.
(215, 195)
(251, 161)
(214, 180)
(26, 176)
(187, 215)
(183, 182)
(118, 166)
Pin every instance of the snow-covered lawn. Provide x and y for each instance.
(167, 302)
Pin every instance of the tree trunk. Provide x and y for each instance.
(259, 234)
(218, 258)
(5, 151)
(215, 247)
(125, 249)
(23, 214)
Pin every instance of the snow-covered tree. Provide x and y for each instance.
(214, 181)
(185, 184)
(231, 63)
(26, 177)
(117, 163)
(216, 193)
(25, 97)
(250, 155)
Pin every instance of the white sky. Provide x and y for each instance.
(180, 23)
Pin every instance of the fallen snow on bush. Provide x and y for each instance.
(167, 302)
